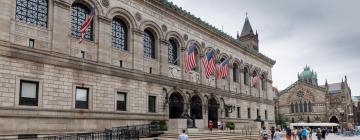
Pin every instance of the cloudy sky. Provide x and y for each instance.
(324, 34)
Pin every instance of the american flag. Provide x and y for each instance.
(86, 24)
(190, 61)
(223, 69)
(209, 63)
(255, 80)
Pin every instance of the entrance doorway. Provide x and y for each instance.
(213, 107)
(333, 119)
(176, 105)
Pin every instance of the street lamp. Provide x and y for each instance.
(342, 119)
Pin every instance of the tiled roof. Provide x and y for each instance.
(334, 87)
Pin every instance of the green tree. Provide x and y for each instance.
(280, 120)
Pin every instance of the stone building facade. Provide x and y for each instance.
(306, 101)
(127, 71)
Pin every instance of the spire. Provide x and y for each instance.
(247, 29)
(345, 79)
(326, 83)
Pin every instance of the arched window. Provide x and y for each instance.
(263, 82)
(301, 107)
(172, 52)
(296, 108)
(310, 106)
(305, 107)
(235, 72)
(119, 34)
(34, 12)
(292, 108)
(246, 76)
(79, 13)
(149, 44)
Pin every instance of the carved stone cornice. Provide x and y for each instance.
(62, 4)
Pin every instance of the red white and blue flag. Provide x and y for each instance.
(223, 69)
(209, 63)
(255, 80)
(87, 23)
(190, 61)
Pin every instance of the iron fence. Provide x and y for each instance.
(115, 133)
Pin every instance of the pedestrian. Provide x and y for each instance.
(294, 134)
(222, 125)
(263, 134)
(288, 133)
(304, 133)
(277, 135)
(310, 133)
(272, 132)
(323, 133)
(210, 126)
(299, 133)
(318, 134)
(183, 135)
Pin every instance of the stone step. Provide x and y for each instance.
(206, 136)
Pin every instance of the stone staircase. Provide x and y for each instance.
(217, 135)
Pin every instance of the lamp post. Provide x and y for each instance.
(342, 119)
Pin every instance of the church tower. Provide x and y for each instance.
(248, 37)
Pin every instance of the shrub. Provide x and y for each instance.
(230, 125)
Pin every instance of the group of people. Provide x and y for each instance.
(293, 134)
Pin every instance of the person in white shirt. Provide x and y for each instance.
(277, 134)
(183, 136)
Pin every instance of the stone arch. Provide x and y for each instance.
(123, 15)
(209, 49)
(199, 48)
(89, 4)
(237, 61)
(177, 37)
(223, 55)
(176, 105)
(333, 119)
(152, 26)
(255, 70)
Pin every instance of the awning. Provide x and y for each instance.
(313, 124)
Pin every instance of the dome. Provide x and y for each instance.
(307, 74)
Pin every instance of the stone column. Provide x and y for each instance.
(104, 51)
(61, 30)
(138, 50)
(164, 64)
(7, 6)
